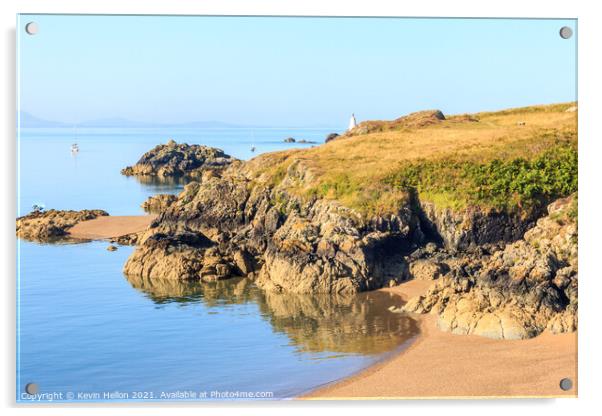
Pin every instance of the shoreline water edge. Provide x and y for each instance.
(440, 365)
(470, 220)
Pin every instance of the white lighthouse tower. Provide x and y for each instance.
(352, 122)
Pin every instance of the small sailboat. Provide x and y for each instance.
(253, 145)
(75, 146)
(252, 148)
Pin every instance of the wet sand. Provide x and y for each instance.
(102, 228)
(443, 365)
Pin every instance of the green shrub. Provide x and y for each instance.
(501, 184)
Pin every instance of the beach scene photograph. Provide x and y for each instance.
(229, 208)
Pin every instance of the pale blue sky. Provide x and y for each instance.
(287, 71)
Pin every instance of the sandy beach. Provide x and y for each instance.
(106, 227)
(443, 365)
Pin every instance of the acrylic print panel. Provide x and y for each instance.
(263, 208)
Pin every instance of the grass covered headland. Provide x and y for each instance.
(507, 160)
(498, 183)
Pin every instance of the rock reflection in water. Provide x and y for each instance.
(162, 183)
(351, 324)
(359, 323)
(161, 291)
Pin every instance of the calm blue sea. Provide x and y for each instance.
(87, 333)
(50, 174)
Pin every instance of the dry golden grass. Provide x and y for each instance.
(361, 163)
(377, 153)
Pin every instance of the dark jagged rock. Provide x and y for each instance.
(128, 239)
(331, 137)
(158, 203)
(288, 243)
(173, 159)
(52, 224)
(178, 257)
(327, 252)
(514, 293)
(463, 229)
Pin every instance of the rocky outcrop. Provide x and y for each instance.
(128, 239)
(158, 203)
(224, 226)
(328, 250)
(52, 224)
(515, 292)
(237, 224)
(411, 121)
(331, 137)
(184, 256)
(497, 274)
(293, 140)
(173, 159)
(427, 269)
(472, 227)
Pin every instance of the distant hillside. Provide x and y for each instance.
(121, 122)
(27, 120)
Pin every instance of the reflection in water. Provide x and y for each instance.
(356, 324)
(160, 184)
(161, 291)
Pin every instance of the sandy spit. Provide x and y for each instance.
(443, 365)
(106, 227)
